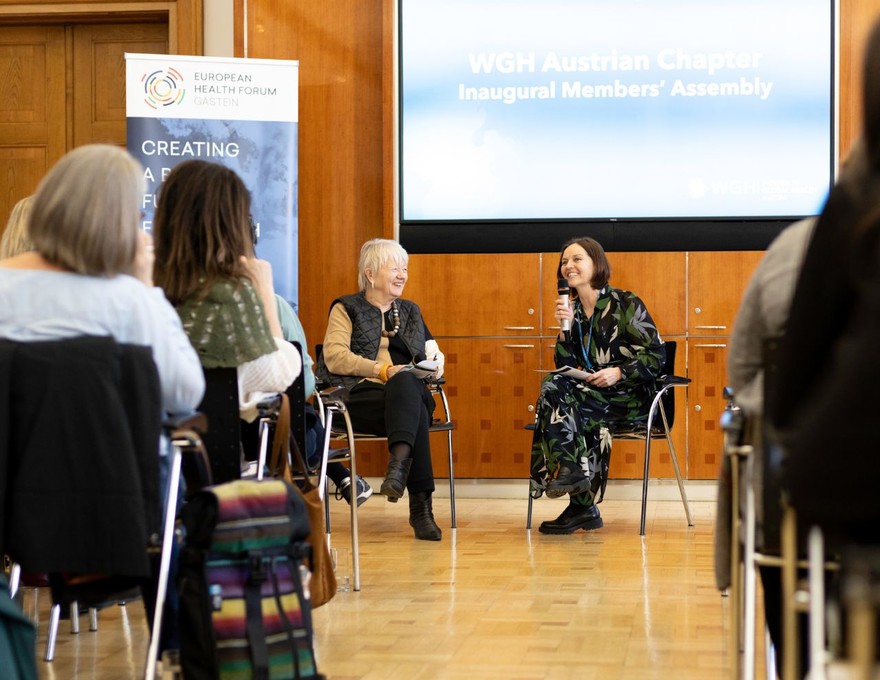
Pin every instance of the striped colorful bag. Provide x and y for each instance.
(244, 597)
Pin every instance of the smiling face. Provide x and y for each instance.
(576, 267)
(387, 282)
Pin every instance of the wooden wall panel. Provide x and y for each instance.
(339, 45)
(856, 19)
(477, 294)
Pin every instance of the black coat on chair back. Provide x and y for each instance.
(80, 420)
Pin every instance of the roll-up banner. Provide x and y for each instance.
(242, 113)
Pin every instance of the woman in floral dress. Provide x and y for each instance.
(615, 342)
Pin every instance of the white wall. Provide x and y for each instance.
(217, 21)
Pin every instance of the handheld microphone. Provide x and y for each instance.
(563, 290)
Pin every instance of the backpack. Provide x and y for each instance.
(245, 609)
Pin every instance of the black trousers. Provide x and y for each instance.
(402, 410)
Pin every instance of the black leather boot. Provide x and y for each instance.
(395, 478)
(421, 517)
(570, 479)
(574, 517)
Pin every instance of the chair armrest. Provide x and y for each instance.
(674, 380)
(334, 393)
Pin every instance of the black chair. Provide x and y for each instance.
(331, 400)
(83, 418)
(229, 438)
(184, 434)
(664, 403)
(765, 533)
(223, 438)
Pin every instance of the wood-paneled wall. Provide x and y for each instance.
(346, 159)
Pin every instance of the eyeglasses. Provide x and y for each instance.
(255, 231)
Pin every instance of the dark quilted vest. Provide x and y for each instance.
(366, 332)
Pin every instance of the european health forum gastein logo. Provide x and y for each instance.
(163, 88)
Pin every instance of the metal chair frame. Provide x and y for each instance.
(332, 404)
(648, 432)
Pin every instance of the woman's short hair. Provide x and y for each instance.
(201, 229)
(375, 254)
(16, 239)
(596, 253)
(86, 211)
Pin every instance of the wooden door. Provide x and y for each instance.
(98, 76)
(716, 282)
(63, 85)
(707, 368)
(32, 108)
(492, 385)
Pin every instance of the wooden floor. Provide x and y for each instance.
(492, 601)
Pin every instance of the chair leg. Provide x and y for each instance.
(322, 479)
(737, 567)
(54, 618)
(93, 619)
(816, 571)
(750, 585)
(687, 508)
(529, 513)
(769, 656)
(14, 579)
(164, 560)
(451, 479)
(264, 447)
(327, 509)
(645, 480)
(74, 618)
(681, 489)
(790, 637)
(355, 556)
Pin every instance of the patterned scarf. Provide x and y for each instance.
(228, 327)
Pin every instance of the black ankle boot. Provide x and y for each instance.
(421, 517)
(395, 478)
(570, 479)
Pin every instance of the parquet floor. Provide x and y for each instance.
(492, 601)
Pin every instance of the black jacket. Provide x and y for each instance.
(79, 440)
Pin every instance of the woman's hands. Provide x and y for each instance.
(563, 312)
(260, 274)
(605, 377)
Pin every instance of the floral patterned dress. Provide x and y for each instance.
(572, 417)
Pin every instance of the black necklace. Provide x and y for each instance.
(395, 321)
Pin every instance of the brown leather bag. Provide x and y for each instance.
(323, 583)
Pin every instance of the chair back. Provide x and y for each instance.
(82, 418)
(637, 429)
(771, 458)
(223, 438)
(296, 393)
(668, 398)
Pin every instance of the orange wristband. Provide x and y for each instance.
(383, 372)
